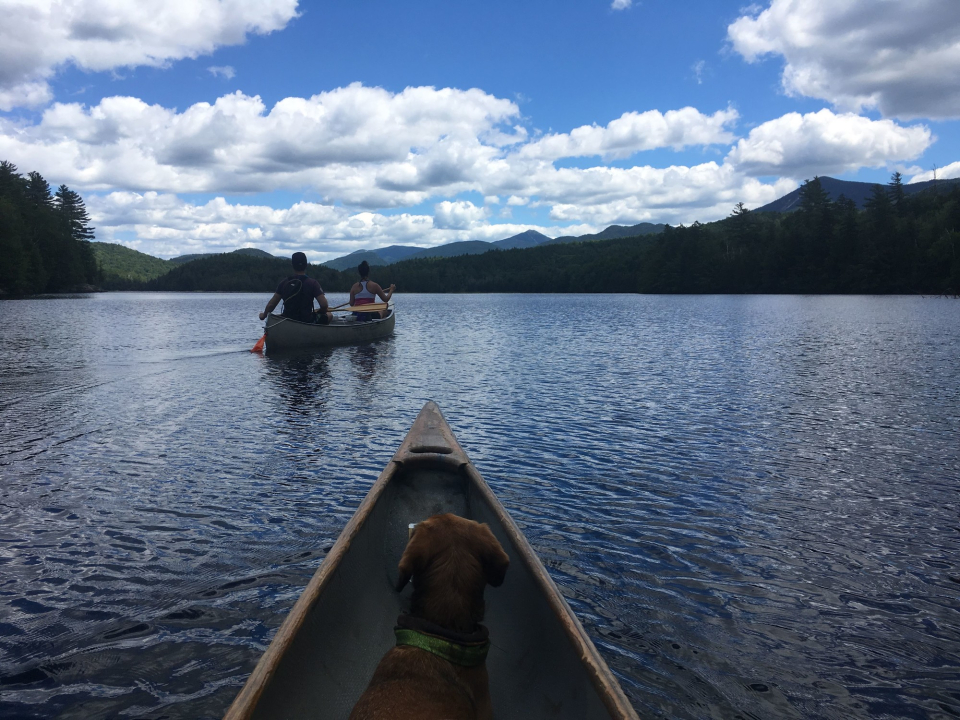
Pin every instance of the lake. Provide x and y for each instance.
(749, 501)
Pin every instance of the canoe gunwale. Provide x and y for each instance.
(427, 432)
(246, 701)
(609, 690)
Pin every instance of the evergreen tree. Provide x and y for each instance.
(44, 243)
(74, 213)
(896, 191)
(38, 191)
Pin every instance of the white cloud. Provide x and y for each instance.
(698, 68)
(359, 150)
(605, 195)
(945, 173)
(621, 4)
(822, 143)
(457, 215)
(359, 145)
(899, 56)
(166, 226)
(634, 132)
(25, 94)
(39, 36)
(225, 71)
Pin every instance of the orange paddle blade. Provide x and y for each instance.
(259, 346)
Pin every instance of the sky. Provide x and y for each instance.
(207, 125)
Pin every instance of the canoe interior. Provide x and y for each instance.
(533, 670)
(541, 663)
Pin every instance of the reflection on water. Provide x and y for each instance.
(366, 359)
(302, 381)
(749, 501)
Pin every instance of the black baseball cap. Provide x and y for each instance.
(299, 261)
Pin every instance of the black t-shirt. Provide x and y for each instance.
(298, 292)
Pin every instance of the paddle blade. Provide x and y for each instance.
(259, 346)
(369, 307)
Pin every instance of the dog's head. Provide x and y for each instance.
(451, 560)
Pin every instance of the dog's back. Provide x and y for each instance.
(450, 560)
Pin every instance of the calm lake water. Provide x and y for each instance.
(750, 502)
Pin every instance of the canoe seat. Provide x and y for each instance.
(432, 448)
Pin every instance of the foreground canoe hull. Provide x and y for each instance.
(541, 662)
(283, 334)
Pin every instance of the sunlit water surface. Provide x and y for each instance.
(750, 502)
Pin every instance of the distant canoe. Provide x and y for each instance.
(285, 334)
(541, 662)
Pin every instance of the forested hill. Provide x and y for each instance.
(44, 237)
(122, 267)
(859, 192)
(241, 272)
(898, 244)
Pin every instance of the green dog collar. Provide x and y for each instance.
(466, 655)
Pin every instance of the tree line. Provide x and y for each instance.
(234, 272)
(896, 245)
(44, 236)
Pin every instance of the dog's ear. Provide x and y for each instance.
(414, 556)
(492, 556)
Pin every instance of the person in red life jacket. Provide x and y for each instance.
(298, 293)
(366, 292)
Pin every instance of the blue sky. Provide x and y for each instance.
(330, 127)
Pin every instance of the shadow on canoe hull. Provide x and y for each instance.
(284, 335)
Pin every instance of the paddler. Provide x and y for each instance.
(298, 293)
(366, 292)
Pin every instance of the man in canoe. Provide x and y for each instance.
(366, 292)
(298, 293)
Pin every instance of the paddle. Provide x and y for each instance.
(371, 307)
(259, 346)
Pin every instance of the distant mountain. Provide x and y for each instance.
(467, 247)
(355, 258)
(611, 233)
(381, 256)
(121, 264)
(527, 239)
(859, 192)
(253, 252)
(530, 238)
(393, 253)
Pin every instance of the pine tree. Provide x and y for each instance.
(38, 191)
(74, 213)
(11, 183)
(896, 191)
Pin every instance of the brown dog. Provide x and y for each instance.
(437, 669)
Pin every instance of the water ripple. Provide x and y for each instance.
(749, 501)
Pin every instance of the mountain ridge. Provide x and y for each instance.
(526, 239)
(854, 190)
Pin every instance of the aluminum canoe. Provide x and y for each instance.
(541, 662)
(284, 334)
